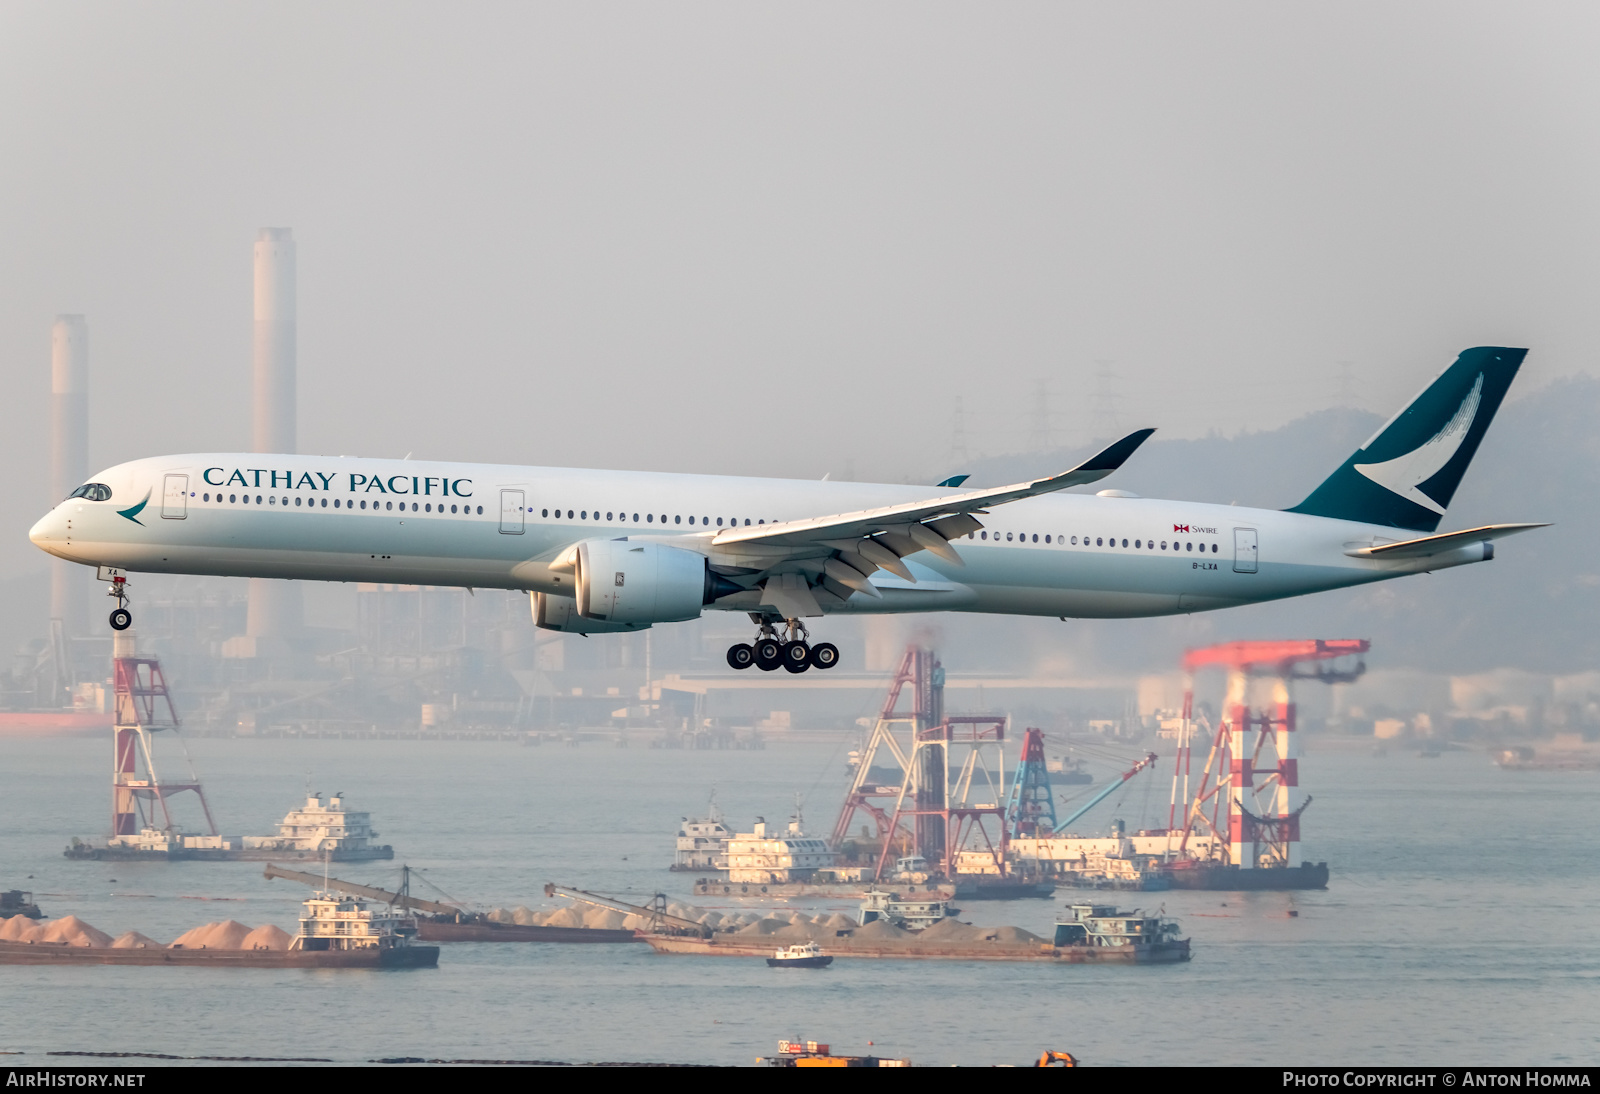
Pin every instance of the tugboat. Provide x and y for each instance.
(910, 915)
(1103, 930)
(16, 902)
(806, 955)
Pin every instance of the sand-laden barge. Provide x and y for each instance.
(1093, 934)
(336, 932)
(440, 922)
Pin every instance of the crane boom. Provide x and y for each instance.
(399, 900)
(656, 912)
(1149, 758)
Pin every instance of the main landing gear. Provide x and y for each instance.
(794, 653)
(121, 617)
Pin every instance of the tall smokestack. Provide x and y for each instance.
(275, 606)
(274, 413)
(69, 455)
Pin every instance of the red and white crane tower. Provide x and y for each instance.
(143, 708)
(1248, 799)
(942, 765)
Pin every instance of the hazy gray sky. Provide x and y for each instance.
(782, 239)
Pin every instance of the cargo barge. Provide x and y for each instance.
(59, 953)
(1226, 877)
(336, 932)
(778, 890)
(909, 951)
(983, 887)
(1094, 934)
(445, 929)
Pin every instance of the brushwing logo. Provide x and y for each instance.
(133, 511)
(1404, 474)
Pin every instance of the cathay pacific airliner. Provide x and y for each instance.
(611, 551)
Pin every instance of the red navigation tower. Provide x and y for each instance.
(1248, 800)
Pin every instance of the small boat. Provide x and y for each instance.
(806, 955)
(16, 902)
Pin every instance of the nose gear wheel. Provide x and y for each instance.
(121, 617)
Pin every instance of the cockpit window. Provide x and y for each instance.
(92, 491)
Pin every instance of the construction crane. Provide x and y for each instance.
(656, 912)
(1032, 805)
(402, 899)
(1111, 788)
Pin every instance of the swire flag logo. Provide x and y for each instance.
(1180, 527)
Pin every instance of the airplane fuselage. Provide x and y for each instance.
(500, 526)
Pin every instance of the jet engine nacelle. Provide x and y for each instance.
(560, 613)
(629, 581)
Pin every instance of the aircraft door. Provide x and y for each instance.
(1245, 550)
(511, 512)
(175, 497)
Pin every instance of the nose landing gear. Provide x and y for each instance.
(121, 617)
(793, 653)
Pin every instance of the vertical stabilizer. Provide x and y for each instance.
(1406, 474)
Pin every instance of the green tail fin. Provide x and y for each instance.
(1406, 474)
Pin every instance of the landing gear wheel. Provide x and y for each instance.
(121, 619)
(741, 655)
(824, 655)
(769, 654)
(796, 656)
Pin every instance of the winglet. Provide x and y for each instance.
(1096, 467)
(1113, 456)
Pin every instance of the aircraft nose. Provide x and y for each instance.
(47, 531)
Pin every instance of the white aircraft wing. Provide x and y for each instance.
(859, 543)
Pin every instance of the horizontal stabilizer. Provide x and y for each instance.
(1439, 544)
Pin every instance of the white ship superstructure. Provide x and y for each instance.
(703, 843)
(319, 829)
(762, 858)
(334, 921)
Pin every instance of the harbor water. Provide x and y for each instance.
(1458, 928)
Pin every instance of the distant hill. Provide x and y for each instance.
(1533, 607)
